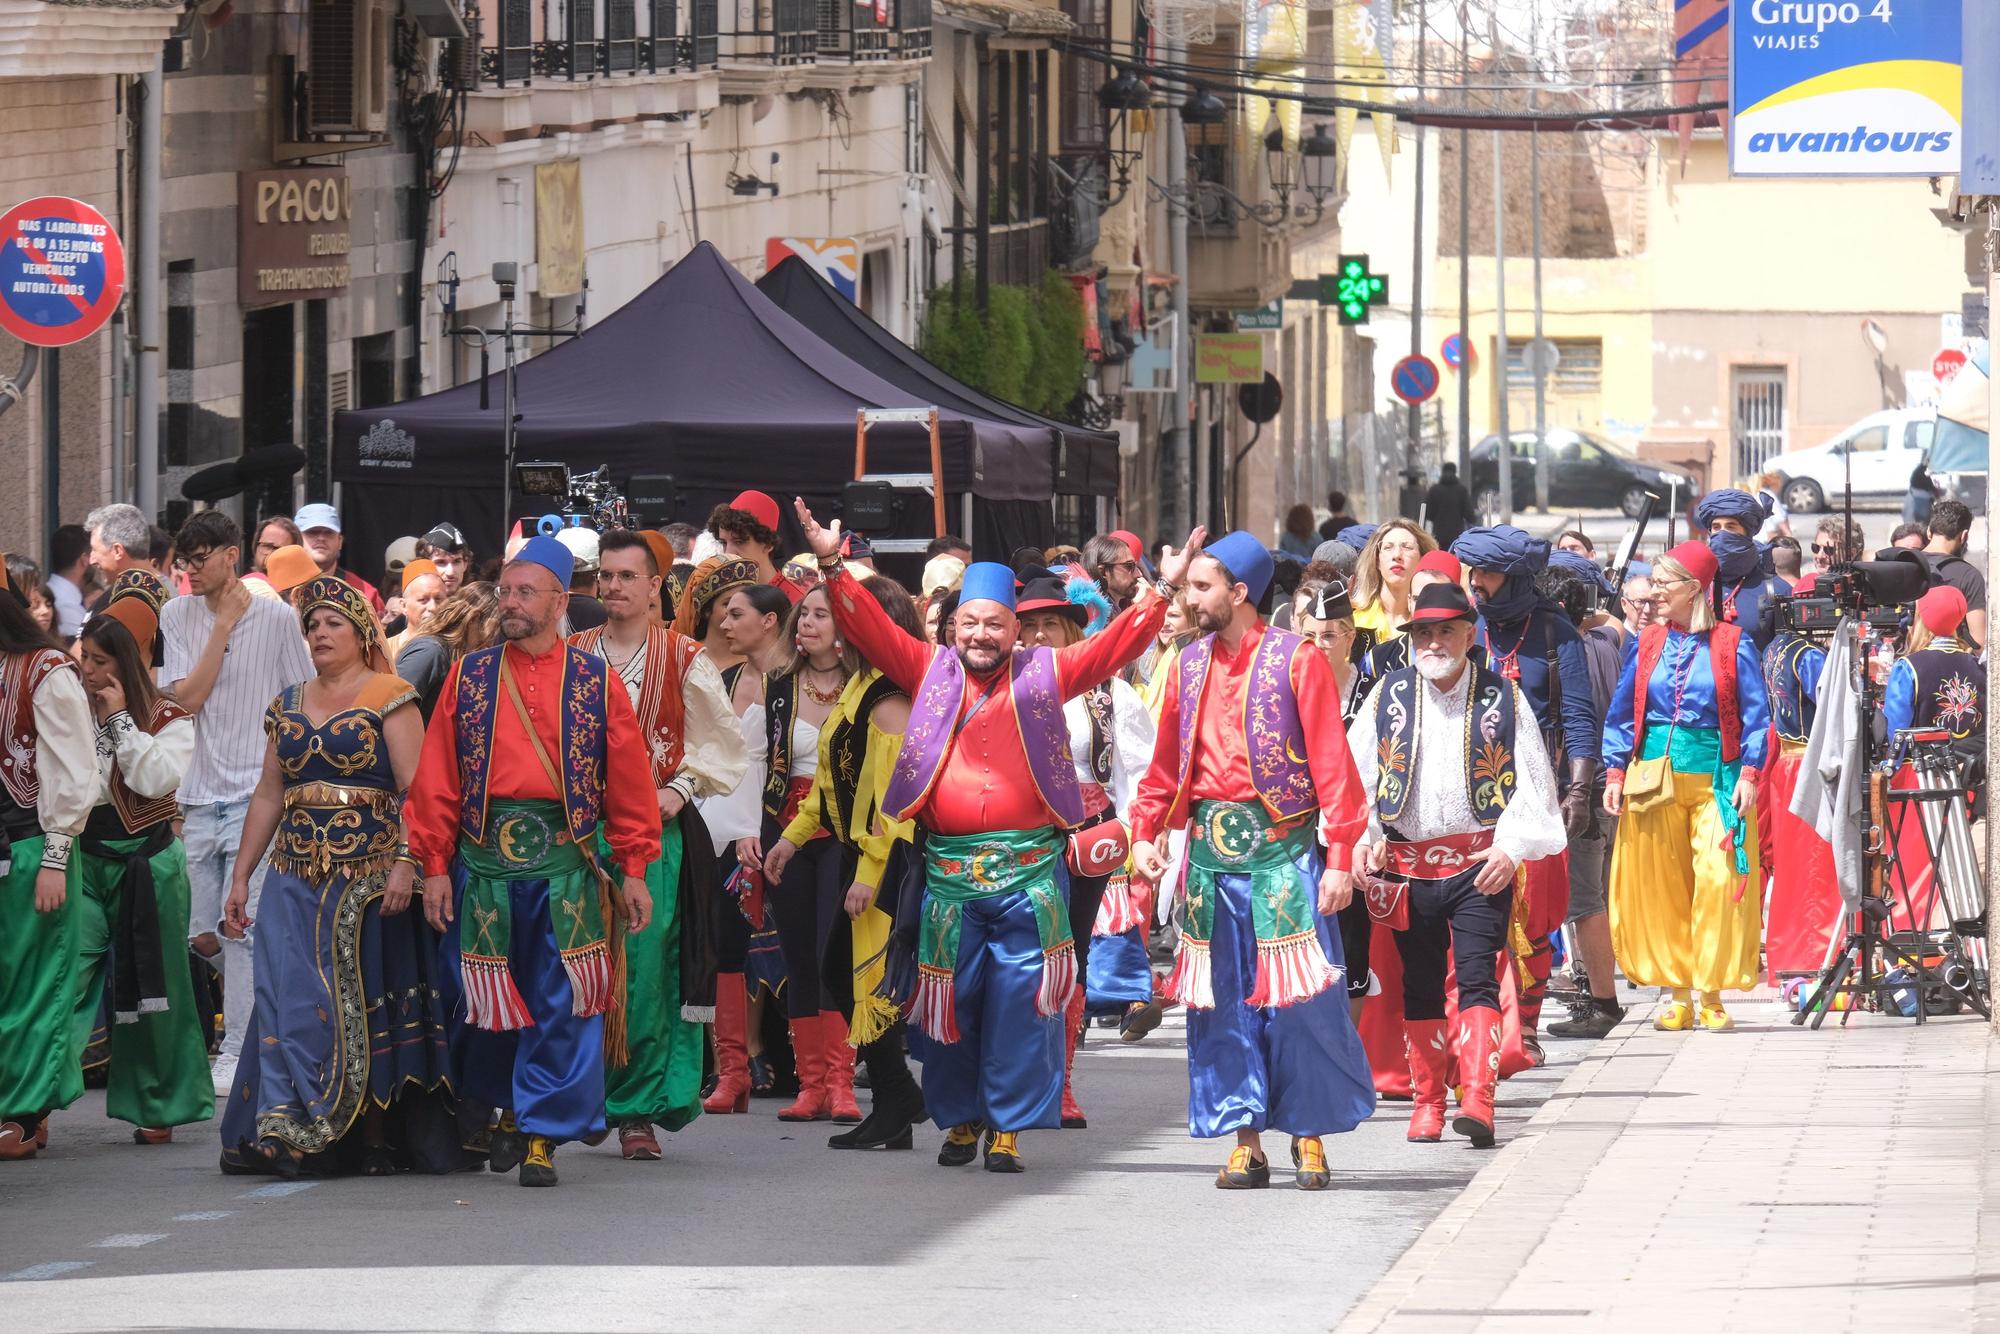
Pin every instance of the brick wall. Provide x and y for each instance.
(61, 138)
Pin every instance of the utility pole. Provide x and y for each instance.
(1464, 261)
(1174, 494)
(1505, 451)
(1541, 366)
(1415, 442)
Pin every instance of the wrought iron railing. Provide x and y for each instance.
(517, 59)
(780, 32)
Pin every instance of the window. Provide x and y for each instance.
(1873, 440)
(1918, 435)
(1579, 368)
(1084, 125)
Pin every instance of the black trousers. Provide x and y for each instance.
(807, 903)
(1357, 931)
(732, 928)
(1452, 915)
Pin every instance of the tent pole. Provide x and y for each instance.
(860, 443)
(937, 478)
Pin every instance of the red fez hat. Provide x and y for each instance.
(1444, 563)
(1697, 560)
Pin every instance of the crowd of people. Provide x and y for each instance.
(619, 829)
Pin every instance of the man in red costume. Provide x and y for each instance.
(1251, 747)
(986, 770)
(514, 810)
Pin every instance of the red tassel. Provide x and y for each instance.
(589, 979)
(492, 1001)
(935, 1007)
(1058, 980)
(1291, 970)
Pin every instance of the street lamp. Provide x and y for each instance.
(1316, 160)
(1277, 162)
(1203, 107)
(1122, 94)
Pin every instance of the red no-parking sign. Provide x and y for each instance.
(62, 271)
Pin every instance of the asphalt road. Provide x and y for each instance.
(747, 1224)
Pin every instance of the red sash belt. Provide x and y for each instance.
(1437, 858)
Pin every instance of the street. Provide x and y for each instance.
(747, 1224)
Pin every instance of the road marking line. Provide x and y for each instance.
(53, 1269)
(129, 1240)
(277, 1190)
(203, 1216)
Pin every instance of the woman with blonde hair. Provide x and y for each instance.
(465, 620)
(1684, 750)
(1388, 562)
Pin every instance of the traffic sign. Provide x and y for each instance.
(1946, 365)
(62, 271)
(1541, 357)
(1415, 378)
(1455, 351)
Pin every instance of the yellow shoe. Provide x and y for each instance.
(1676, 1018)
(1309, 1157)
(1243, 1172)
(1003, 1152)
(1716, 1019)
(538, 1168)
(961, 1146)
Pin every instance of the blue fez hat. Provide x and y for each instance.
(1246, 559)
(551, 555)
(987, 581)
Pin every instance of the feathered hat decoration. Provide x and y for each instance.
(1081, 590)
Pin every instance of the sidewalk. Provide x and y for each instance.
(1770, 1179)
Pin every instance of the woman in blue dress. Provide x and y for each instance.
(348, 1026)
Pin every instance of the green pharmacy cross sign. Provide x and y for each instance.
(1354, 289)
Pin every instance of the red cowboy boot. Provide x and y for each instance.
(1479, 1067)
(1424, 1043)
(732, 1056)
(1072, 1115)
(809, 1055)
(839, 1068)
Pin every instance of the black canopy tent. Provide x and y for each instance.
(1086, 460)
(700, 377)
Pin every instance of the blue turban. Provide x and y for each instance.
(1246, 559)
(550, 554)
(1356, 535)
(1513, 553)
(1584, 568)
(1730, 503)
(987, 581)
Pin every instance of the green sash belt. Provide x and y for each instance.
(1698, 750)
(1231, 838)
(967, 867)
(528, 841)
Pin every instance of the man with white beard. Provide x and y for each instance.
(1457, 803)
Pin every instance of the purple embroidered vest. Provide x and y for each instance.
(1036, 698)
(580, 761)
(1272, 734)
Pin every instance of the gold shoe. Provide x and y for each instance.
(1003, 1152)
(961, 1146)
(538, 1168)
(1243, 1172)
(1716, 1019)
(1678, 1017)
(1309, 1157)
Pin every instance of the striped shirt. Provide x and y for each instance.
(265, 654)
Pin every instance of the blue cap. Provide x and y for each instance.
(319, 515)
(551, 555)
(987, 581)
(1246, 559)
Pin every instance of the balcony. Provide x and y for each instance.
(898, 30)
(640, 37)
(40, 40)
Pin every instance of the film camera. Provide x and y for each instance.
(1870, 590)
(590, 498)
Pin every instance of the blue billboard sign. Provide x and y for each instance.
(1844, 87)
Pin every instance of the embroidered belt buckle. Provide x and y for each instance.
(1234, 831)
(523, 838)
(1438, 858)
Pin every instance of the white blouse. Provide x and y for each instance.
(153, 762)
(738, 812)
(1131, 742)
(65, 763)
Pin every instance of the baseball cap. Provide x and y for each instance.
(582, 544)
(400, 553)
(310, 517)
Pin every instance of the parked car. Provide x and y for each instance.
(1586, 472)
(1882, 450)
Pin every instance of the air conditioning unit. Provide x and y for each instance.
(347, 67)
